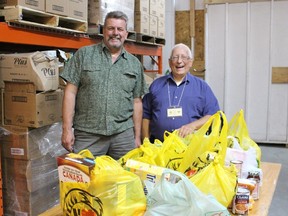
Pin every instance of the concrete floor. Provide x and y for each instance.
(278, 154)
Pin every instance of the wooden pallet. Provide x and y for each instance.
(160, 41)
(142, 38)
(29, 17)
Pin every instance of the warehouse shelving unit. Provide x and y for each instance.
(13, 36)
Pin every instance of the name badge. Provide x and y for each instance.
(174, 112)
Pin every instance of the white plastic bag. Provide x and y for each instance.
(236, 152)
(176, 195)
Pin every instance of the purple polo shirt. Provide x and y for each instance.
(197, 101)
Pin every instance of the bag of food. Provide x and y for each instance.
(209, 141)
(237, 128)
(171, 152)
(111, 191)
(176, 195)
(236, 152)
(217, 180)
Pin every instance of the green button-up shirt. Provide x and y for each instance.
(104, 102)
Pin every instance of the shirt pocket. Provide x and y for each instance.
(91, 75)
(128, 81)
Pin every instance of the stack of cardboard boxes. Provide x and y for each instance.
(71, 8)
(97, 10)
(30, 134)
(70, 15)
(150, 17)
(145, 16)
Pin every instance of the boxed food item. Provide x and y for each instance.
(35, 4)
(74, 168)
(149, 174)
(40, 68)
(23, 106)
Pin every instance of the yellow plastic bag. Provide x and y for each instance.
(218, 181)
(203, 145)
(111, 191)
(237, 128)
(145, 153)
(172, 151)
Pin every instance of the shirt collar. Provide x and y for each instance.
(123, 51)
(187, 77)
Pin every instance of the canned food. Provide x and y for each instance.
(255, 175)
(241, 202)
(256, 192)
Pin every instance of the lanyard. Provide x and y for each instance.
(170, 105)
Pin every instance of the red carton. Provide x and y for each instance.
(74, 168)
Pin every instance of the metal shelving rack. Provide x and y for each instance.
(11, 34)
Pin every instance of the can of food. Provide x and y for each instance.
(238, 165)
(255, 175)
(256, 192)
(241, 202)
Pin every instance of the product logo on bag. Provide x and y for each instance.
(20, 62)
(49, 72)
(78, 202)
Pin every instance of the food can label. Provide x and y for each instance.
(241, 202)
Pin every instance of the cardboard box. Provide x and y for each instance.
(60, 7)
(31, 174)
(19, 201)
(148, 173)
(160, 13)
(40, 68)
(35, 4)
(153, 25)
(142, 23)
(78, 9)
(142, 6)
(24, 107)
(161, 28)
(31, 143)
(73, 168)
(98, 9)
(153, 7)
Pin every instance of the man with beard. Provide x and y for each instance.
(177, 101)
(102, 105)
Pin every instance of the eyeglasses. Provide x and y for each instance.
(183, 58)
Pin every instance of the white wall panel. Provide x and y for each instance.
(278, 106)
(259, 70)
(236, 61)
(243, 42)
(215, 49)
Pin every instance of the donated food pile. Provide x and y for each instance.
(214, 171)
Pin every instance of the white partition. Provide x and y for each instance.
(243, 42)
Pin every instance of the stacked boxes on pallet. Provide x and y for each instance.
(30, 135)
(150, 17)
(30, 178)
(70, 15)
(97, 10)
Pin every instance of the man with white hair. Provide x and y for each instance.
(177, 101)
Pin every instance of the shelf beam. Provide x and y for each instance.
(69, 41)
